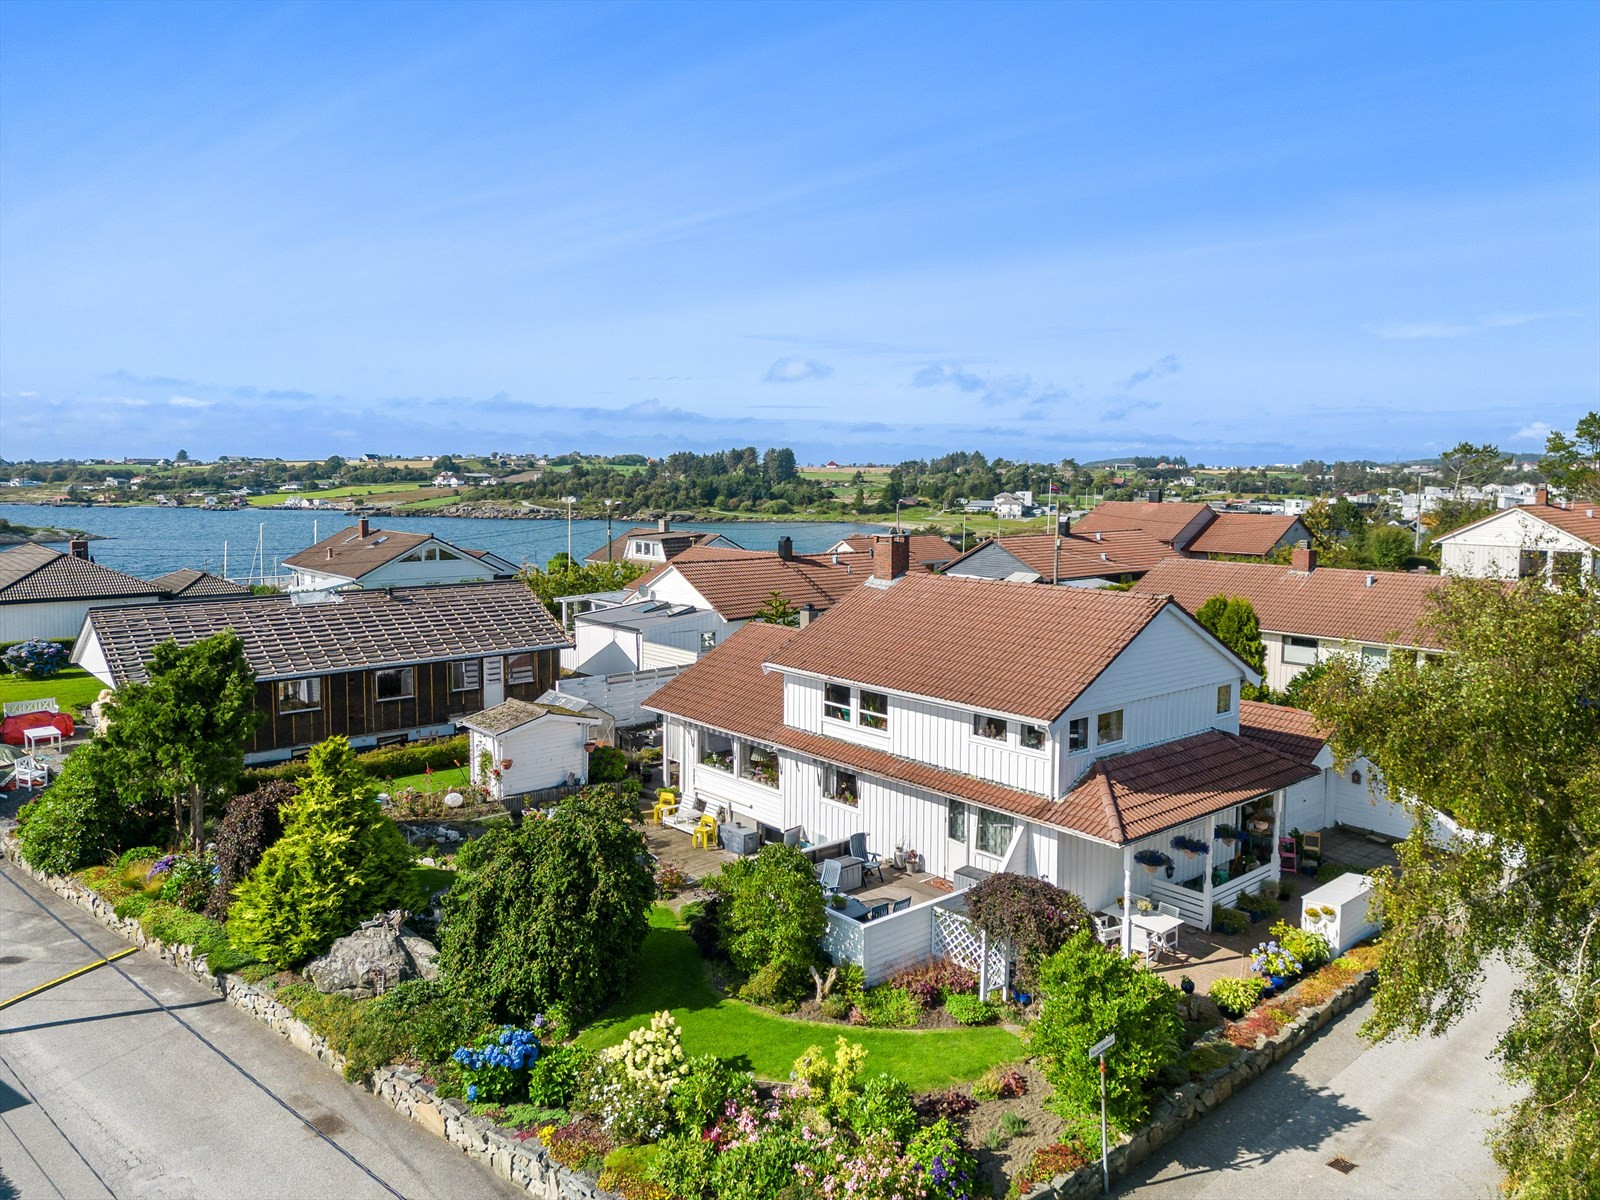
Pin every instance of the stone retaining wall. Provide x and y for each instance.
(527, 1164)
(1182, 1107)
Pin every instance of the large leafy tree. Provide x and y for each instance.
(770, 917)
(1573, 463)
(563, 577)
(1469, 463)
(1234, 622)
(551, 911)
(1503, 733)
(339, 862)
(181, 735)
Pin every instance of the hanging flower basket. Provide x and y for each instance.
(1227, 833)
(505, 764)
(1152, 860)
(1190, 846)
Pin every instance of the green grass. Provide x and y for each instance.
(442, 778)
(672, 976)
(73, 688)
(426, 882)
(340, 493)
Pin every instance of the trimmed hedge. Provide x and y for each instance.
(409, 758)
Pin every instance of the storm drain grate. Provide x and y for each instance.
(1341, 1164)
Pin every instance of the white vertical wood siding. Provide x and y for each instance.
(891, 814)
(54, 618)
(542, 753)
(1306, 804)
(1089, 870)
(1364, 806)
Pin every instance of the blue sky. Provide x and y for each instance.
(1244, 233)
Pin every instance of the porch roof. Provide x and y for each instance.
(1130, 796)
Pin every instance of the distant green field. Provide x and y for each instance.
(344, 493)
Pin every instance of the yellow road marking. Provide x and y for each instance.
(45, 987)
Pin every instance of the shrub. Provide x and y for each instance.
(1060, 1158)
(428, 1019)
(950, 1102)
(771, 986)
(770, 915)
(139, 854)
(172, 925)
(251, 823)
(1000, 1083)
(494, 1069)
(836, 1007)
(670, 880)
(1087, 993)
(34, 659)
(831, 1082)
(408, 758)
(1228, 920)
(949, 1170)
(684, 1165)
(1235, 997)
(132, 906)
(930, 981)
(1258, 902)
(551, 911)
(1329, 871)
(707, 1088)
(77, 820)
(554, 1079)
(580, 1144)
(1034, 916)
(627, 1173)
(890, 1007)
(607, 764)
(967, 1009)
(338, 862)
(189, 882)
(1311, 949)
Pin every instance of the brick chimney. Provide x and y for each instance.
(362, 528)
(786, 549)
(1064, 527)
(1303, 559)
(891, 555)
(1541, 496)
(664, 525)
(78, 548)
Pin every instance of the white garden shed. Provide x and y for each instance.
(1348, 898)
(517, 747)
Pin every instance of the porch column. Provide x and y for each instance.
(1205, 890)
(1127, 901)
(1277, 826)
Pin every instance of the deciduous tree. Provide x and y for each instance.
(1573, 463)
(1503, 733)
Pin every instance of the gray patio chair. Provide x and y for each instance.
(830, 874)
(881, 909)
(901, 904)
(793, 837)
(869, 860)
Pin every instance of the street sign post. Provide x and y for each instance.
(1098, 1050)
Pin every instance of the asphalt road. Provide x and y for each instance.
(103, 1092)
(1410, 1115)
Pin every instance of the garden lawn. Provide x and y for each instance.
(672, 976)
(441, 779)
(73, 688)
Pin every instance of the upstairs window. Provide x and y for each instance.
(1300, 651)
(1077, 734)
(1108, 727)
(464, 675)
(836, 702)
(874, 712)
(1033, 737)
(299, 695)
(397, 684)
(1225, 699)
(989, 727)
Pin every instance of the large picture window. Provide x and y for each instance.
(874, 712)
(299, 695)
(397, 684)
(994, 832)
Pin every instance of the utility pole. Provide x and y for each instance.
(570, 501)
(1416, 541)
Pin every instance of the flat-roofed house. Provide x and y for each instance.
(45, 593)
(375, 665)
(1308, 613)
(364, 557)
(987, 726)
(1539, 539)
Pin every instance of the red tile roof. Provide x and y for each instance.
(1127, 552)
(1005, 647)
(1255, 534)
(1130, 796)
(674, 542)
(927, 549)
(1328, 602)
(1162, 521)
(1292, 732)
(736, 583)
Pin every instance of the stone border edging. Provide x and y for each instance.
(1183, 1106)
(526, 1164)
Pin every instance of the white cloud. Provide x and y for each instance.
(189, 402)
(1534, 431)
(795, 369)
(1409, 330)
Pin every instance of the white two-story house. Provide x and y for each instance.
(991, 726)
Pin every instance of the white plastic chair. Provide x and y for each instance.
(1169, 910)
(1157, 944)
(1108, 929)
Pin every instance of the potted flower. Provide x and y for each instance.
(1276, 963)
(1152, 860)
(1190, 846)
(1186, 985)
(838, 900)
(1227, 832)
(1144, 904)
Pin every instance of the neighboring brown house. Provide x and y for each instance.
(374, 665)
(361, 556)
(735, 584)
(1197, 530)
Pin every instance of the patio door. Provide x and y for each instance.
(494, 681)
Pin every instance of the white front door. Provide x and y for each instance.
(494, 681)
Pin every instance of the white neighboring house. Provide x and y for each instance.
(653, 547)
(641, 635)
(518, 747)
(46, 594)
(1539, 539)
(989, 727)
(363, 557)
(1308, 613)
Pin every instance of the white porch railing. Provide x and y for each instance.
(932, 929)
(1251, 881)
(1191, 905)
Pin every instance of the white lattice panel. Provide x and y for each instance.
(958, 939)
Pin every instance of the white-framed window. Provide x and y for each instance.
(993, 728)
(994, 832)
(1077, 734)
(874, 710)
(1374, 658)
(464, 675)
(1032, 737)
(841, 786)
(956, 821)
(1300, 651)
(1108, 727)
(519, 668)
(836, 701)
(397, 683)
(1224, 698)
(299, 695)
